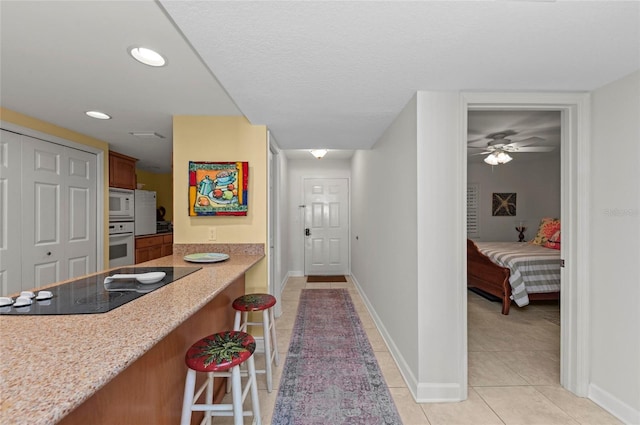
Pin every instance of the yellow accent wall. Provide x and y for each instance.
(213, 139)
(17, 118)
(162, 184)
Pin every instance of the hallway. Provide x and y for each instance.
(513, 376)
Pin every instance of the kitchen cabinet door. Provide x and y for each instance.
(122, 171)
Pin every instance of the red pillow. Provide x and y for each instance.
(554, 241)
(548, 227)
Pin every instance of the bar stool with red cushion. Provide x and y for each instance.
(254, 303)
(220, 355)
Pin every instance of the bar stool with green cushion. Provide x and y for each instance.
(254, 303)
(220, 355)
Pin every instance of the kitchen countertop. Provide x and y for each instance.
(51, 364)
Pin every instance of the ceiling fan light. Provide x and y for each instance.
(491, 159)
(318, 153)
(506, 158)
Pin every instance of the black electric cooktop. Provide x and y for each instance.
(90, 295)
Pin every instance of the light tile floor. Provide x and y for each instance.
(514, 375)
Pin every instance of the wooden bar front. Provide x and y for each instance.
(150, 390)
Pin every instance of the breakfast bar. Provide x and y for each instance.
(125, 366)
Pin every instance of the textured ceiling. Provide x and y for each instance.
(318, 74)
(335, 74)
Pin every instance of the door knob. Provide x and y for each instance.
(307, 232)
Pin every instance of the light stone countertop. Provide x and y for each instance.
(51, 364)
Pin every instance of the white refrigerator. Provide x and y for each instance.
(145, 212)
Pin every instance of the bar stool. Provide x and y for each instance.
(254, 303)
(220, 355)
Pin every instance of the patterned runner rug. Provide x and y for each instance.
(331, 375)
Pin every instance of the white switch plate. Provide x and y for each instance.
(213, 234)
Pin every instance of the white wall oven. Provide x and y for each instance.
(121, 244)
(121, 204)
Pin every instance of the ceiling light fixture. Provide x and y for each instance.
(147, 56)
(318, 153)
(498, 157)
(147, 134)
(98, 115)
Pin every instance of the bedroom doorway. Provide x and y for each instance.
(573, 112)
(523, 347)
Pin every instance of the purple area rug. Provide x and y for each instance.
(331, 375)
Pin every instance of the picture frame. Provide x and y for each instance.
(503, 204)
(218, 188)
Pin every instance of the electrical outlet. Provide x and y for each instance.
(213, 234)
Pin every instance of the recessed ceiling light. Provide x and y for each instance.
(147, 134)
(147, 56)
(99, 115)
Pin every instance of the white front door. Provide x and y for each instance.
(326, 226)
(58, 212)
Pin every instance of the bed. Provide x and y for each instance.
(517, 271)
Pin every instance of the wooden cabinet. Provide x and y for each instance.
(122, 171)
(153, 246)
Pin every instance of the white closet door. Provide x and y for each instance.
(59, 186)
(43, 213)
(80, 239)
(10, 217)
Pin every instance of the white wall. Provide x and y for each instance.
(298, 170)
(615, 248)
(384, 221)
(441, 248)
(537, 185)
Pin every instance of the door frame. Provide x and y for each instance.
(575, 161)
(274, 251)
(100, 180)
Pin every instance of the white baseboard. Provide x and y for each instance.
(438, 393)
(613, 405)
(405, 371)
(295, 273)
(421, 392)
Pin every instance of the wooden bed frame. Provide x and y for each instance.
(487, 276)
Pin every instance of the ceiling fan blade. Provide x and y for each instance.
(526, 142)
(536, 149)
(479, 153)
(478, 143)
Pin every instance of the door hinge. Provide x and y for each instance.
(561, 263)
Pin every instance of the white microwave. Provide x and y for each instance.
(121, 204)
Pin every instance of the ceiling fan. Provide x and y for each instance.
(498, 146)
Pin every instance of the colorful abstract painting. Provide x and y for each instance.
(218, 188)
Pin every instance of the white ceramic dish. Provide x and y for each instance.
(5, 301)
(22, 301)
(206, 257)
(146, 278)
(44, 295)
